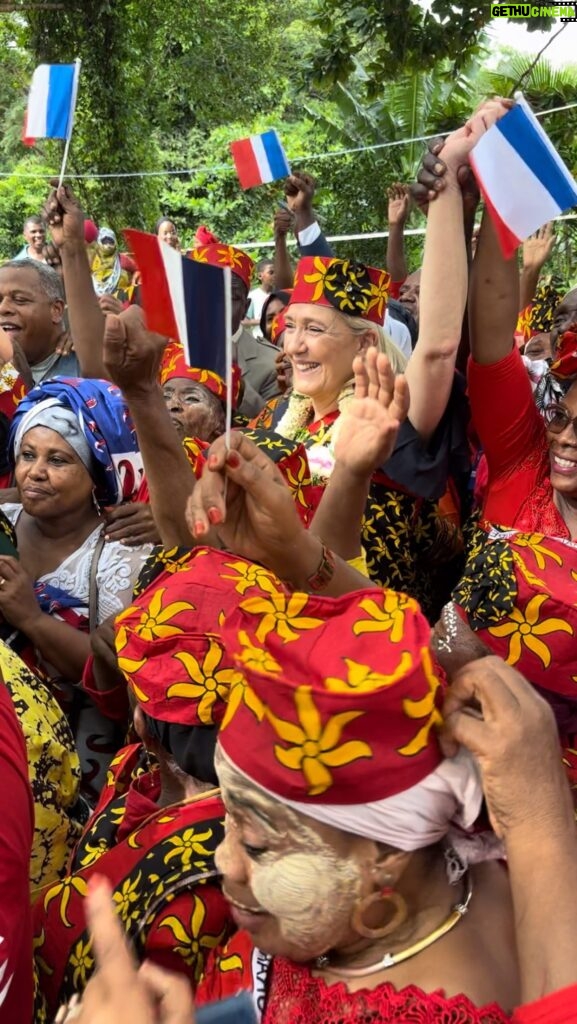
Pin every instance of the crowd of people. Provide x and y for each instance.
(288, 715)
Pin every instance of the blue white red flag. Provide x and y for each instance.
(523, 179)
(259, 159)
(51, 102)
(185, 300)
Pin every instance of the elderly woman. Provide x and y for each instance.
(75, 454)
(336, 311)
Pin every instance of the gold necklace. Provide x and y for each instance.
(458, 911)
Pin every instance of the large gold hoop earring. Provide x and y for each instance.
(386, 895)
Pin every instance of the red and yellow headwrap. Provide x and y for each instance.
(564, 366)
(349, 287)
(169, 643)
(340, 696)
(519, 594)
(220, 255)
(174, 365)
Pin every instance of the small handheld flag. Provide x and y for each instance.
(187, 301)
(259, 159)
(523, 179)
(52, 104)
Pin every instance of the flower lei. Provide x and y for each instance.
(320, 446)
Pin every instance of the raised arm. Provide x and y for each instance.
(366, 437)
(66, 219)
(536, 251)
(398, 211)
(132, 357)
(431, 368)
(283, 271)
(493, 298)
(514, 740)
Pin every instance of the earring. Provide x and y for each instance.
(385, 895)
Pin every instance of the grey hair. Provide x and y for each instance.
(385, 344)
(50, 281)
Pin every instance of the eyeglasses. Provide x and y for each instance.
(558, 418)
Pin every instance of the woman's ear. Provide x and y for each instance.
(390, 866)
(368, 338)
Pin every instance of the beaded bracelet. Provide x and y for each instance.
(325, 572)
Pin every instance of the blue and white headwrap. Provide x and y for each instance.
(92, 416)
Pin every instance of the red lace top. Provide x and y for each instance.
(512, 432)
(295, 997)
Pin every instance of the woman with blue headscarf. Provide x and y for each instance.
(75, 453)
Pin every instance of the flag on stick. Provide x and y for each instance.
(259, 159)
(523, 179)
(187, 301)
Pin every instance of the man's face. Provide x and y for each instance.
(239, 296)
(35, 236)
(27, 315)
(266, 278)
(565, 316)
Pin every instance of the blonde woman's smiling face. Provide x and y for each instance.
(321, 349)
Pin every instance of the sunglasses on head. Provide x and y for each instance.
(558, 418)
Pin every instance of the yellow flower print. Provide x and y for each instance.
(154, 620)
(362, 680)
(424, 708)
(187, 845)
(82, 960)
(257, 658)
(533, 541)
(207, 684)
(126, 896)
(281, 613)
(241, 692)
(229, 963)
(300, 479)
(231, 257)
(315, 747)
(318, 278)
(65, 889)
(527, 629)
(248, 575)
(379, 294)
(391, 617)
(193, 945)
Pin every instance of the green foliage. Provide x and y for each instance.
(393, 41)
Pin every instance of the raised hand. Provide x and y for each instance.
(119, 993)
(538, 248)
(368, 428)
(132, 354)
(459, 143)
(243, 496)
(299, 190)
(511, 732)
(399, 197)
(283, 222)
(64, 216)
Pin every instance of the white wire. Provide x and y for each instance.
(297, 159)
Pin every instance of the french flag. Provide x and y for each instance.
(185, 300)
(523, 179)
(259, 159)
(51, 102)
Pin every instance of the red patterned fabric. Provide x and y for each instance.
(169, 642)
(352, 288)
(316, 726)
(159, 862)
(287, 993)
(565, 365)
(556, 1008)
(218, 254)
(513, 436)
